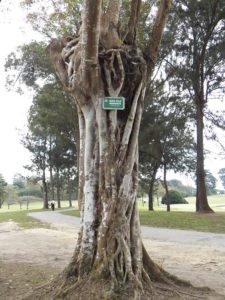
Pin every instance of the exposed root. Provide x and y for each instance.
(157, 274)
(156, 284)
(43, 286)
(94, 288)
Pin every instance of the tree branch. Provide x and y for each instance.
(133, 21)
(54, 49)
(129, 125)
(90, 34)
(155, 36)
(112, 12)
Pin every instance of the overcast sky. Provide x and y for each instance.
(14, 107)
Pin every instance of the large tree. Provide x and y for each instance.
(98, 62)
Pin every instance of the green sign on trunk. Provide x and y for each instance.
(111, 103)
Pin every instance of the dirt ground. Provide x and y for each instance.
(30, 258)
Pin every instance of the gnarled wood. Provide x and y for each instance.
(130, 38)
(94, 65)
(152, 48)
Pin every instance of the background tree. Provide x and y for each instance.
(55, 18)
(19, 181)
(198, 65)
(166, 140)
(11, 195)
(29, 66)
(178, 154)
(210, 182)
(49, 117)
(184, 190)
(35, 141)
(3, 185)
(222, 176)
(51, 137)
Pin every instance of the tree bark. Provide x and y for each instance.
(52, 188)
(69, 188)
(130, 38)
(52, 183)
(45, 189)
(202, 205)
(93, 66)
(58, 188)
(166, 188)
(151, 186)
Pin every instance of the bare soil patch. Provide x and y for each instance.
(32, 257)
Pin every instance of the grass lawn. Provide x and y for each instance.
(15, 214)
(216, 202)
(32, 206)
(178, 220)
(22, 219)
(184, 220)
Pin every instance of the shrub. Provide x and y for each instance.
(174, 197)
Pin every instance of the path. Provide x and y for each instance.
(194, 256)
(191, 255)
(162, 234)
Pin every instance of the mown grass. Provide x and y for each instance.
(216, 202)
(213, 200)
(74, 213)
(184, 220)
(22, 219)
(178, 220)
(32, 205)
(15, 214)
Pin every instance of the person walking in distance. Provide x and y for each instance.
(52, 203)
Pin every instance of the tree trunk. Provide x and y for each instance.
(58, 188)
(150, 196)
(69, 189)
(109, 243)
(45, 190)
(166, 189)
(109, 246)
(151, 187)
(109, 213)
(202, 205)
(52, 187)
(52, 183)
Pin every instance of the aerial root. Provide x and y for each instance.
(156, 273)
(177, 291)
(63, 291)
(43, 286)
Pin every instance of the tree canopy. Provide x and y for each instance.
(197, 64)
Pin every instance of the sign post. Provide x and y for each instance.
(113, 103)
